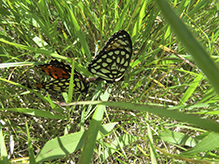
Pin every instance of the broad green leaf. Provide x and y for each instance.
(64, 145)
(178, 138)
(209, 143)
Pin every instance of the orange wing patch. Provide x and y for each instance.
(57, 69)
(55, 72)
(61, 73)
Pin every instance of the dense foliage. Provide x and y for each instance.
(164, 110)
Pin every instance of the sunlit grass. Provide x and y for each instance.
(165, 109)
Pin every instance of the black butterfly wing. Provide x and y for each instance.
(62, 84)
(62, 73)
(112, 61)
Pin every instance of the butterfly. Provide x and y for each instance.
(113, 59)
(57, 69)
(61, 73)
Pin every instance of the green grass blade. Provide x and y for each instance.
(30, 147)
(35, 112)
(121, 20)
(71, 84)
(122, 141)
(151, 141)
(91, 135)
(205, 124)
(189, 92)
(79, 34)
(4, 155)
(33, 49)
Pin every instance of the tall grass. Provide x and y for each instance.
(165, 109)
